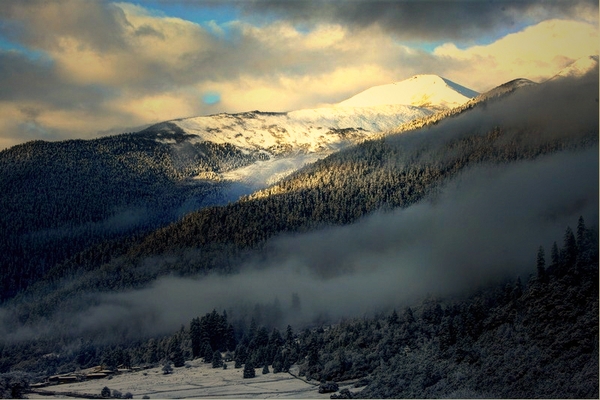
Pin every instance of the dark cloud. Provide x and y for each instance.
(426, 20)
(23, 79)
(43, 24)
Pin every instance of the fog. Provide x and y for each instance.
(484, 226)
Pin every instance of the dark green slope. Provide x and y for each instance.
(59, 198)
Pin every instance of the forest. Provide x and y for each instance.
(514, 339)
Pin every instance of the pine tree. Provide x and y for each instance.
(175, 352)
(105, 392)
(249, 371)
(555, 254)
(409, 317)
(289, 336)
(541, 264)
(569, 249)
(217, 360)
(167, 369)
(195, 337)
(207, 352)
(580, 233)
(583, 244)
(265, 369)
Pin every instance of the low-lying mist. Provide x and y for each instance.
(484, 226)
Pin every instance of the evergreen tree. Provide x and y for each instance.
(286, 364)
(289, 336)
(277, 363)
(195, 337)
(541, 264)
(408, 315)
(167, 368)
(518, 289)
(583, 244)
(265, 369)
(569, 249)
(151, 354)
(175, 352)
(555, 254)
(217, 360)
(207, 352)
(249, 371)
(393, 319)
(580, 233)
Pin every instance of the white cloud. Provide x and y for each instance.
(536, 53)
(125, 66)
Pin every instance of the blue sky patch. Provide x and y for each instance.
(211, 98)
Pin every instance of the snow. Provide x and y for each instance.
(199, 380)
(307, 130)
(263, 173)
(296, 138)
(419, 90)
(578, 68)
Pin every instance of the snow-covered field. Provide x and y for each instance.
(196, 380)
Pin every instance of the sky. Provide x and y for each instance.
(88, 68)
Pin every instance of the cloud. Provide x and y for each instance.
(426, 20)
(537, 52)
(83, 67)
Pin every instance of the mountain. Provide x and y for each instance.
(482, 100)
(284, 142)
(579, 67)
(91, 191)
(430, 91)
(393, 172)
(461, 201)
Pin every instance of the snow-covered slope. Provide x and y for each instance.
(311, 130)
(578, 68)
(285, 142)
(420, 90)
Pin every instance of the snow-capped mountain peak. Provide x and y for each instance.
(430, 91)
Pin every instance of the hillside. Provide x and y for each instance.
(395, 172)
(91, 192)
(511, 339)
(60, 198)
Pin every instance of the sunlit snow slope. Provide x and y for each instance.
(420, 90)
(290, 140)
